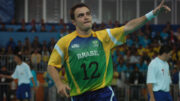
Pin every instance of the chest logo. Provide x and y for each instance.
(75, 46)
(95, 43)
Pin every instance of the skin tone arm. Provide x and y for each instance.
(10, 77)
(139, 22)
(61, 87)
(150, 90)
(34, 85)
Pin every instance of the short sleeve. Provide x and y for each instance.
(113, 37)
(15, 74)
(29, 71)
(151, 74)
(57, 55)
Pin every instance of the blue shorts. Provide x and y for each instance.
(161, 96)
(23, 91)
(104, 94)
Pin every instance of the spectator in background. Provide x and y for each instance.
(116, 24)
(27, 47)
(51, 44)
(4, 84)
(61, 22)
(62, 32)
(44, 44)
(121, 66)
(45, 57)
(23, 22)
(9, 51)
(45, 54)
(36, 44)
(136, 76)
(127, 56)
(177, 33)
(24, 75)
(102, 26)
(33, 22)
(95, 27)
(13, 21)
(11, 43)
(42, 22)
(3, 28)
(110, 24)
(36, 59)
(9, 54)
(164, 36)
(134, 58)
(168, 27)
(33, 90)
(53, 29)
(147, 29)
(19, 47)
(142, 65)
(22, 29)
(175, 75)
(33, 29)
(49, 88)
(43, 28)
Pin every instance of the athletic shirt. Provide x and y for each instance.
(87, 59)
(22, 73)
(158, 74)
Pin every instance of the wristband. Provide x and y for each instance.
(150, 15)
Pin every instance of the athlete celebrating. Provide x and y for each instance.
(86, 55)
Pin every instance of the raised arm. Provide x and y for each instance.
(139, 22)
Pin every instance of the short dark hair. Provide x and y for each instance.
(165, 49)
(79, 5)
(19, 56)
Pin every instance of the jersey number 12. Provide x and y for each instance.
(94, 74)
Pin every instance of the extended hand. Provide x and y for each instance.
(161, 8)
(62, 89)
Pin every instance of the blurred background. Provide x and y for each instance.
(32, 27)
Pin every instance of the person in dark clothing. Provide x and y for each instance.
(136, 76)
(4, 84)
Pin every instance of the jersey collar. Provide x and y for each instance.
(85, 36)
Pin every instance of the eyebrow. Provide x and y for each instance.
(83, 13)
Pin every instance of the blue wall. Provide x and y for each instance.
(4, 36)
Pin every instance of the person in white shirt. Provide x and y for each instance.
(24, 75)
(158, 76)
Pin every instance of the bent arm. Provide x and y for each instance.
(55, 75)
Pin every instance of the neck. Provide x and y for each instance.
(84, 32)
(162, 57)
(20, 62)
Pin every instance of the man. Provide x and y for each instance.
(24, 75)
(87, 55)
(158, 76)
(4, 84)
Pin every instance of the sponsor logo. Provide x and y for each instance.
(75, 46)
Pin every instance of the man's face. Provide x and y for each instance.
(16, 59)
(83, 18)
